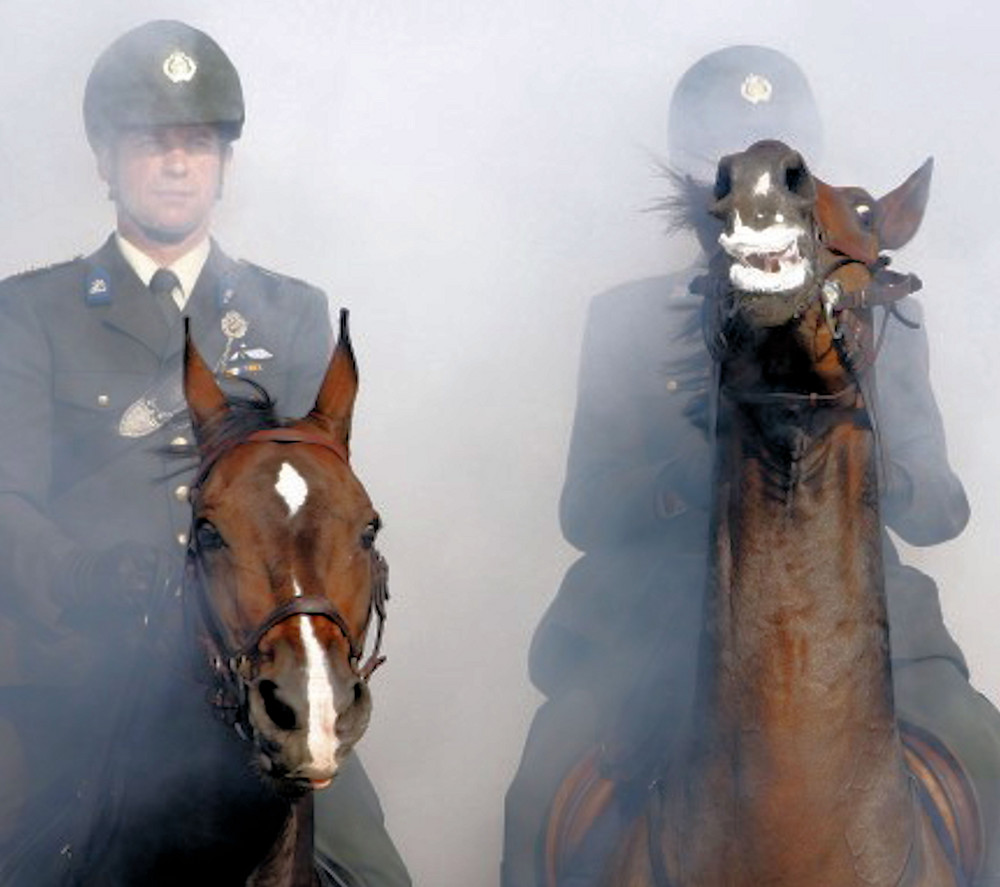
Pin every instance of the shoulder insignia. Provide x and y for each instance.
(38, 271)
(273, 275)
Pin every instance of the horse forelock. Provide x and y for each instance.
(244, 416)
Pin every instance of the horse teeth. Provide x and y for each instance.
(765, 260)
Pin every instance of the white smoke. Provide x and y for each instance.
(465, 176)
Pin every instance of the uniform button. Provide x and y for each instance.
(103, 400)
(182, 539)
(181, 493)
(179, 442)
(671, 384)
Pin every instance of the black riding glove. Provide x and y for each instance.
(118, 585)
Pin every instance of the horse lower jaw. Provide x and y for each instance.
(763, 309)
(302, 785)
(295, 787)
(297, 780)
(319, 784)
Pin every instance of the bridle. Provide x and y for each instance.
(233, 664)
(884, 288)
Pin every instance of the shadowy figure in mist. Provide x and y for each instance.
(615, 654)
(93, 510)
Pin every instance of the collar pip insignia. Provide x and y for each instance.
(97, 287)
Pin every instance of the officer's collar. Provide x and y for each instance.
(187, 268)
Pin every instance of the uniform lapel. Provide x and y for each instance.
(215, 287)
(133, 309)
(164, 398)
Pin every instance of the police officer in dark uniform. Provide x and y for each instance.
(615, 653)
(93, 512)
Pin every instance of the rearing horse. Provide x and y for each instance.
(793, 770)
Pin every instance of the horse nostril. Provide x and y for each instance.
(723, 182)
(282, 714)
(799, 181)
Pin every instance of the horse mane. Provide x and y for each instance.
(684, 207)
(246, 414)
(250, 410)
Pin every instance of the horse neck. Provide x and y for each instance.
(796, 598)
(289, 863)
(796, 725)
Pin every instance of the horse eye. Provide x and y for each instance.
(370, 532)
(208, 537)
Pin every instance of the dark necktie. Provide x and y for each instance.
(162, 286)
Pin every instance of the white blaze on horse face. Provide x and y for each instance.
(294, 490)
(765, 260)
(763, 185)
(321, 715)
(292, 487)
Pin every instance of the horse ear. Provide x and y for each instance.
(335, 401)
(839, 223)
(203, 395)
(900, 212)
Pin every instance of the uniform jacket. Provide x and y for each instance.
(81, 343)
(636, 494)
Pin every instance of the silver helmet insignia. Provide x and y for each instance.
(756, 88)
(179, 67)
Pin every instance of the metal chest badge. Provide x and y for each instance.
(234, 328)
(238, 359)
(165, 399)
(148, 413)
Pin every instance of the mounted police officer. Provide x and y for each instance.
(615, 654)
(93, 514)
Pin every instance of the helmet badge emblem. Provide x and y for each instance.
(179, 67)
(756, 89)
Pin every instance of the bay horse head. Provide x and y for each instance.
(283, 564)
(799, 268)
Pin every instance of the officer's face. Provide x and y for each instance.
(165, 181)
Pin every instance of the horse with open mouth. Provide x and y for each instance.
(792, 769)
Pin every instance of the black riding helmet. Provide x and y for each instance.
(734, 97)
(160, 74)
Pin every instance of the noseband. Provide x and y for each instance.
(884, 288)
(233, 665)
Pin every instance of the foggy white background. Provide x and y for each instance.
(465, 176)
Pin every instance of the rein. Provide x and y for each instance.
(883, 289)
(233, 665)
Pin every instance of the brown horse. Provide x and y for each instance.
(281, 584)
(283, 564)
(793, 770)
